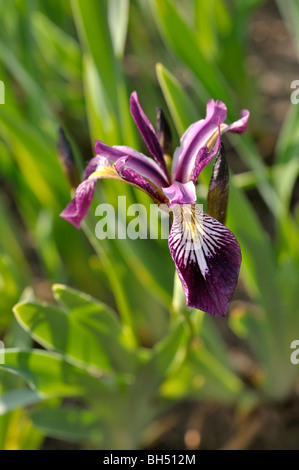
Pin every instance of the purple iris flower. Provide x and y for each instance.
(206, 254)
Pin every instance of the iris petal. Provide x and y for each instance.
(207, 257)
(180, 193)
(132, 177)
(203, 157)
(78, 207)
(142, 164)
(148, 133)
(240, 126)
(196, 137)
(98, 167)
(200, 134)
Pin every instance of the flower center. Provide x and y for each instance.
(180, 193)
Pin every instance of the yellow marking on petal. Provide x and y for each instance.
(212, 139)
(191, 218)
(106, 172)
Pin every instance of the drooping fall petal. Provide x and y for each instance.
(98, 167)
(207, 257)
(78, 207)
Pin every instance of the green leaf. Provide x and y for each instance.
(72, 298)
(152, 265)
(249, 154)
(286, 170)
(219, 381)
(18, 398)
(51, 375)
(102, 121)
(259, 264)
(28, 145)
(68, 423)
(181, 38)
(92, 24)
(118, 15)
(166, 358)
(88, 334)
(290, 13)
(25, 79)
(57, 47)
(182, 110)
(205, 21)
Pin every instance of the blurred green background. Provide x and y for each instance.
(113, 362)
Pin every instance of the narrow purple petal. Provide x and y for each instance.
(240, 126)
(131, 176)
(78, 207)
(139, 162)
(207, 257)
(196, 137)
(115, 152)
(148, 133)
(93, 164)
(147, 168)
(180, 193)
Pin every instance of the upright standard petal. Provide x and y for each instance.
(148, 133)
(203, 157)
(203, 134)
(207, 257)
(196, 137)
(239, 126)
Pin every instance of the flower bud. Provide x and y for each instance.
(164, 132)
(218, 190)
(67, 160)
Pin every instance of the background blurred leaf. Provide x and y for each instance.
(18, 399)
(118, 13)
(69, 423)
(59, 378)
(89, 333)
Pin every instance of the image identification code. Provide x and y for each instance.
(150, 459)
